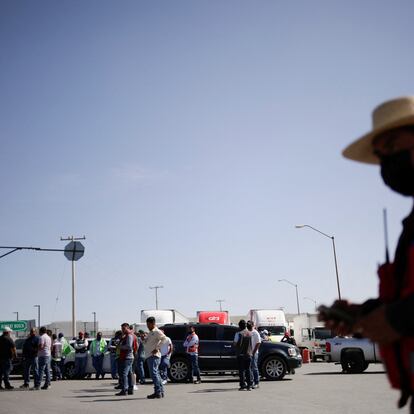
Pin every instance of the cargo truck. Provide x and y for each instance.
(311, 334)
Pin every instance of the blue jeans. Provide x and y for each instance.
(5, 369)
(114, 366)
(44, 366)
(139, 369)
(80, 366)
(126, 370)
(56, 372)
(154, 365)
(194, 366)
(97, 362)
(29, 364)
(164, 365)
(255, 369)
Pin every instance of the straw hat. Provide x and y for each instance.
(391, 114)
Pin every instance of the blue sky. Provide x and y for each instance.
(185, 140)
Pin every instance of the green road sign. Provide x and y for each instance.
(18, 326)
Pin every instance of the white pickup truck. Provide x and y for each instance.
(353, 354)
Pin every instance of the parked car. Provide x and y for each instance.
(218, 355)
(354, 354)
(69, 364)
(18, 361)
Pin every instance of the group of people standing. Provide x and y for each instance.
(41, 353)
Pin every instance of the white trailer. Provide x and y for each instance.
(164, 316)
(311, 334)
(273, 320)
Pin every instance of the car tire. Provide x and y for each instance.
(353, 362)
(274, 368)
(180, 369)
(69, 371)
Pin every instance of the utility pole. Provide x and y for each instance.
(94, 323)
(17, 315)
(156, 294)
(38, 315)
(72, 238)
(220, 301)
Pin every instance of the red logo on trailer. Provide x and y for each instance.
(221, 318)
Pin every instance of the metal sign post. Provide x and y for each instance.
(73, 252)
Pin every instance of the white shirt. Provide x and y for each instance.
(165, 347)
(45, 343)
(255, 339)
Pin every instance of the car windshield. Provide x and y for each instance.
(274, 330)
(323, 333)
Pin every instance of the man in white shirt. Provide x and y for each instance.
(191, 344)
(43, 355)
(81, 355)
(256, 342)
(152, 344)
(166, 351)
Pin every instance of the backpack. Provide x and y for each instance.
(244, 343)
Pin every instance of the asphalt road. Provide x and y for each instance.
(316, 388)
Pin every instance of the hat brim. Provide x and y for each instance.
(361, 150)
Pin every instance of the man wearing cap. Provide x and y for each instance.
(7, 353)
(388, 319)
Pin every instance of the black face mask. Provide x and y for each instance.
(397, 171)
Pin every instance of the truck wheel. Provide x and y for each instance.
(69, 371)
(180, 369)
(274, 368)
(353, 362)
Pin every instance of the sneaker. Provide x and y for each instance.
(9, 387)
(253, 387)
(256, 385)
(118, 387)
(163, 382)
(121, 393)
(45, 387)
(197, 381)
(154, 396)
(130, 392)
(36, 388)
(248, 389)
(142, 382)
(24, 386)
(135, 387)
(242, 389)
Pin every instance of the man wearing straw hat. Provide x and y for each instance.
(388, 320)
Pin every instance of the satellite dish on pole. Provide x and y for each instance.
(74, 251)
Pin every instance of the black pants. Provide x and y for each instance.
(245, 362)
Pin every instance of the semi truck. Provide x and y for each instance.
(272, 320)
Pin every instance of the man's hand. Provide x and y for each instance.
(338, 317)
(376, 327)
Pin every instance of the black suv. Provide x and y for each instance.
(217, 353)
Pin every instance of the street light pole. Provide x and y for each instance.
(17, 315)
(38, 314)
(156, 294)
(334, 252)
(312, 300)
(220, 301)
(94, 323)
(296, 287)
